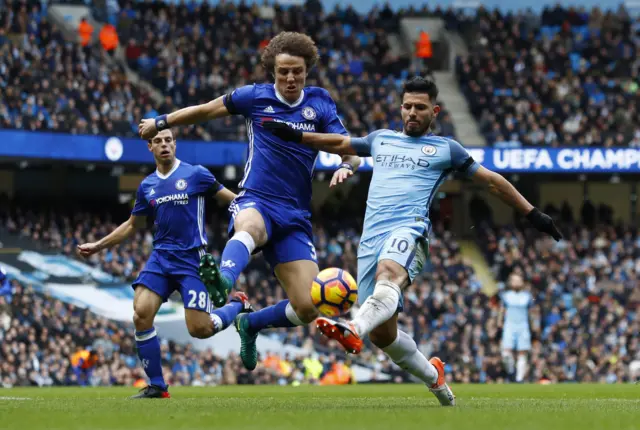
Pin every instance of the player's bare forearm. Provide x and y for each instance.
(506, 192)
(329, 142)
(199, 113)
(503, 189)
(122, 232)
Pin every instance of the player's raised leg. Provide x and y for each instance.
(145, 306)
(403, 351)
(202, 320)
(294, 259)
(249, 231)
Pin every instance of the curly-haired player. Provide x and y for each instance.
(272, 210)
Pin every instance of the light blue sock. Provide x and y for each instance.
(149, 354)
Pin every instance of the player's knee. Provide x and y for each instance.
(305, 310)
(253, 224)
(201, 330)
(391, 271)
(383, 336)
(143, 316)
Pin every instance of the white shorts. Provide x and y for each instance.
(406, 246)
(516, 338)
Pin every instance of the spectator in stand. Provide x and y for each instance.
(109, 38)
(83, 362)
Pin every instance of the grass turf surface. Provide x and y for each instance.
(385, 407)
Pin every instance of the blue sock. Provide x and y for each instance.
(149, 354)
(272, 316)
(226, 315)
(235, 258)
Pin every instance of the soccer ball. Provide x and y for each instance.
(334, 291)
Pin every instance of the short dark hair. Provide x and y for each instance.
(292, 43)
(418, 84)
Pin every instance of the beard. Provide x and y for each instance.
(418, 131)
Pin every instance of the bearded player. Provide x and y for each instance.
(272, 211)
(174, 196)
(408, 169)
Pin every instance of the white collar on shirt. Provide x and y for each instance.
(283, 100)
(173, 169)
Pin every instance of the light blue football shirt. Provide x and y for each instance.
(407, 172)
(517, 305)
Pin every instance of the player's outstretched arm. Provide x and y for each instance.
(118, 235)
(500, 187)
(148, 128)
(328, 142)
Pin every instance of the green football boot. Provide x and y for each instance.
(248, 350)
(217, 285)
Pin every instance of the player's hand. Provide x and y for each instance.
(88, 249)
(543, 222)
(147, 128)
(283, 131)
(339, 176)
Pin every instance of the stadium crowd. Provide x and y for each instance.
(584, 320)
(182, 51)
(49, 84)
(566, 77)
(191, 51)
(46, 342)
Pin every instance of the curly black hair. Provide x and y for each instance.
(292, 43)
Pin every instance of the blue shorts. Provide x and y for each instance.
(289, 233)
(406, 246)
(169, 271)
(516, 338)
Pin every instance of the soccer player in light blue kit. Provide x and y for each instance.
(516, 333)
(174, 196)
(407, 171)
(272, 212)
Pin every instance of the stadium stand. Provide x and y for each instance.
(49, 84)
(567, 77)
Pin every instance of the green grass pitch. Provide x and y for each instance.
(384, 407)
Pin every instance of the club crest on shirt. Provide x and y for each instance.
(309, 113)
(181, 184)
(429, 150)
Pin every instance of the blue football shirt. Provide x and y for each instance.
(176, 203)
(407, 172)
(277, 170)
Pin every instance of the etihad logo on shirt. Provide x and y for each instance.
(177, 199)
(399, 161)
(302, 126)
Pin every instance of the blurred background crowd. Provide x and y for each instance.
(584, 319)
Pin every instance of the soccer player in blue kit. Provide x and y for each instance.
(407, 171)
(272, 210)
(174, 196)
